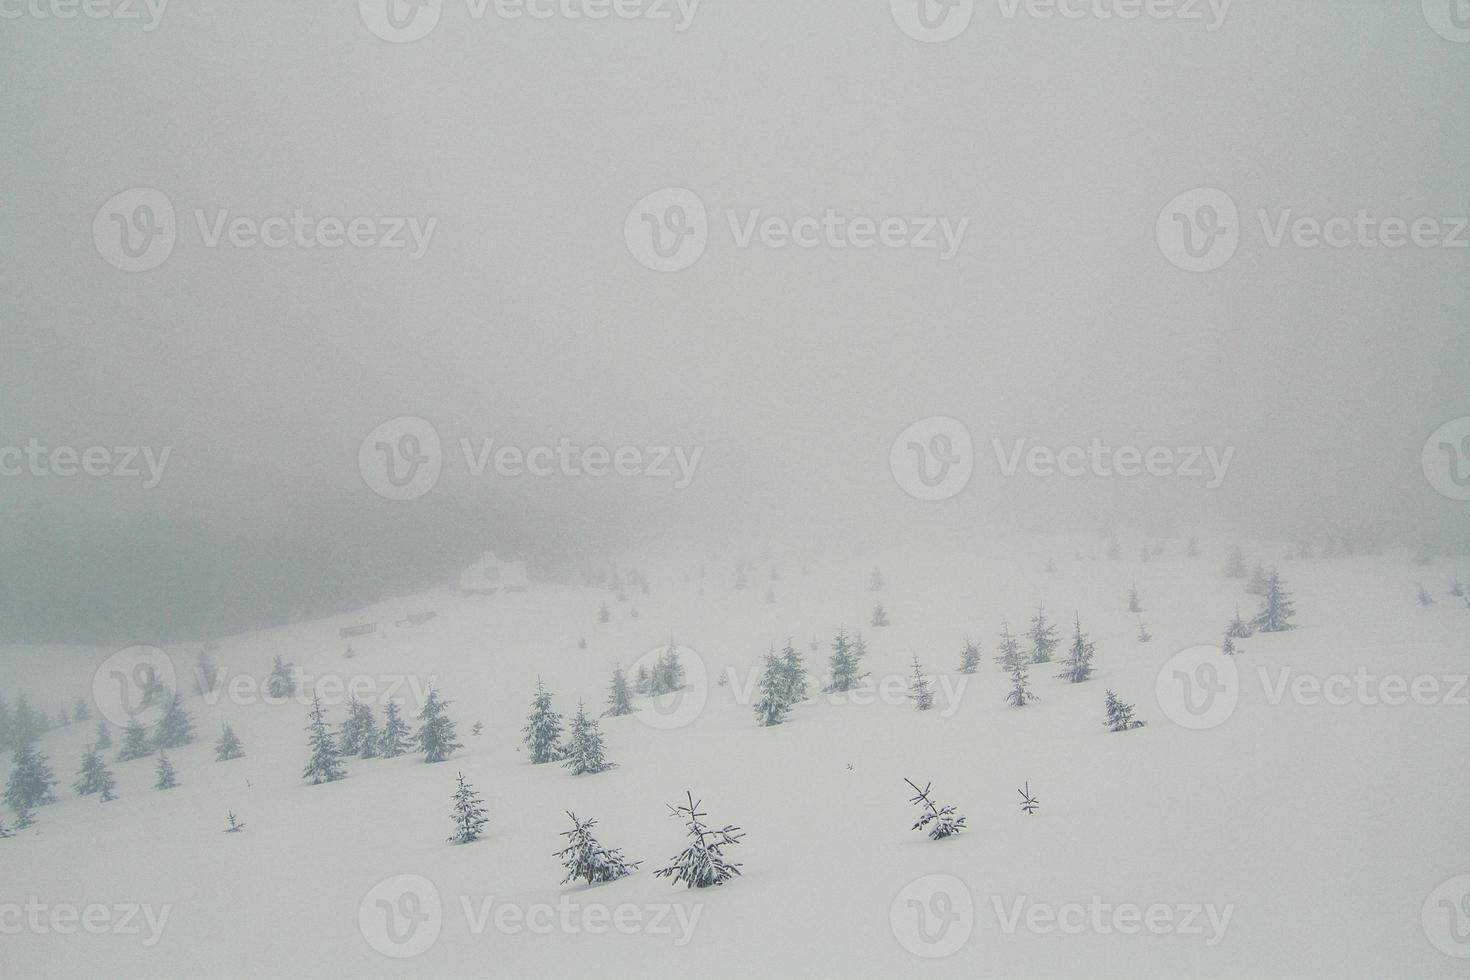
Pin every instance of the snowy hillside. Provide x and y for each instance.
(1301, 834)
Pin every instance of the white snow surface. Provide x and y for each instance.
(1321, 828)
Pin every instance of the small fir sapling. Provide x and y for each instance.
(702, 863)
(585, 859)
(167, 777)
(937, 821)
(1120, 715)
(469, 813)
(619, 695)
(436, 735)
(969, 657)
(393, 741)
(919, 690)
(1043, 636)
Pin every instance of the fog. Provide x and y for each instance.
(515, 149)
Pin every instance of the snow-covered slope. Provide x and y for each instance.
(1297, 839)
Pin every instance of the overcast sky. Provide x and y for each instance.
(523, 313)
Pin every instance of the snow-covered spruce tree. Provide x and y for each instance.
(1020, 694)
(1425, 599)
(1276, 608)
(93, 776)
(106, 785)
(1043, 636)
(1227, 645)
(81, 711)
(1238, 627)
(619, 695)
(175, 728)
(1008, 652)
(1120, 715)
(876, 583)
(236, 824)
(371, 737)
(604, 615)
(281, 683)
(793, 674)
(643, 680)
(1457, 589)
(969, 657)
(937, 821)
(1135, 604)
(668, 672)
(206, 674)
(587, 860)
(843, 664)
(772, 705)
(30, 780)
(135, 742)
(326, 763)
(228, 746)
(1257, 583)
(1078, 665)
(880, 618)
(103, 738)
(167, 777)
(1143, 634)
(543, 728)
(435, 736)
(394, 740)
(919, 690)
(357, 730)
(469, 814)
(24, 817)
(584, 749)
(1235, 564)
(702, 863)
